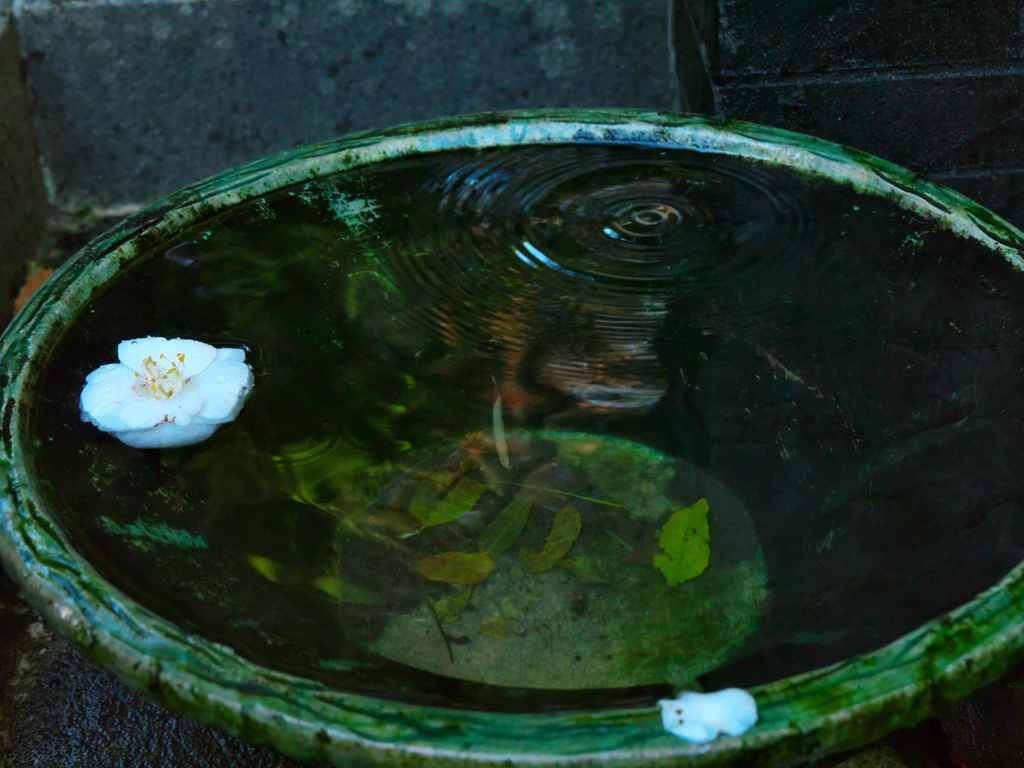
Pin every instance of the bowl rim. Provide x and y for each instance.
(801, 717)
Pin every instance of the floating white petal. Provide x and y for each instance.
(190, 357)
(166, 392)
(223, 386)
(701, 717)
(106, 390)
(167, 435)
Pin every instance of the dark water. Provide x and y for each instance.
(534, 358)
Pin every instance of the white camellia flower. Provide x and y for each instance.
(701, 717)
(166, 392)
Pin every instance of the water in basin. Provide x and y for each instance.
(560, 427)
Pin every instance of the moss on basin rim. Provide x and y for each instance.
(802, 717)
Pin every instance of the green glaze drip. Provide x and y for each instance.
(146, 533)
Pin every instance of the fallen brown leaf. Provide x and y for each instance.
(36, 277)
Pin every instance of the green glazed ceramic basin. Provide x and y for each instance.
(124, 589)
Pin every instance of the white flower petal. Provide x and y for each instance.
(185, 406)
(138, 412)
(701, 717)
(164, 408)
(109, 373)
(105, 392)
(167, 435)
(224, 387)
(230, 355)
(191, 357)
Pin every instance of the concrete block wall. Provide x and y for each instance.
(134, 98)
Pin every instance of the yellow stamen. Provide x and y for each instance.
(159, 382)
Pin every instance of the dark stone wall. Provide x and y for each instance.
(133, 99)
(22, 200)
(935, 85)
(774, 38)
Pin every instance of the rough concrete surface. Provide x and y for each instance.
(1000, 191)
(936, 85)
(134, 99)
(963, 119)
(791, 36)
(58, 711)
(985, 731)
(22, 200)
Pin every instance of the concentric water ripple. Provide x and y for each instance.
(525, 248)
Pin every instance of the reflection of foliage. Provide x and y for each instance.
(234, 468)
(339, 590)
(685, 541)
(308, 293)
(334, 477)
(369, 288)
(345, 592)
(238, 268)
(268, 568)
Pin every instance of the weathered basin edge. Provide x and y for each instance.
(802, 717)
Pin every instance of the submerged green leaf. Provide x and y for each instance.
(507, 526)
(456, 567)
(430, 510)
(686, 541)
(450, 607)
(564, 532)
